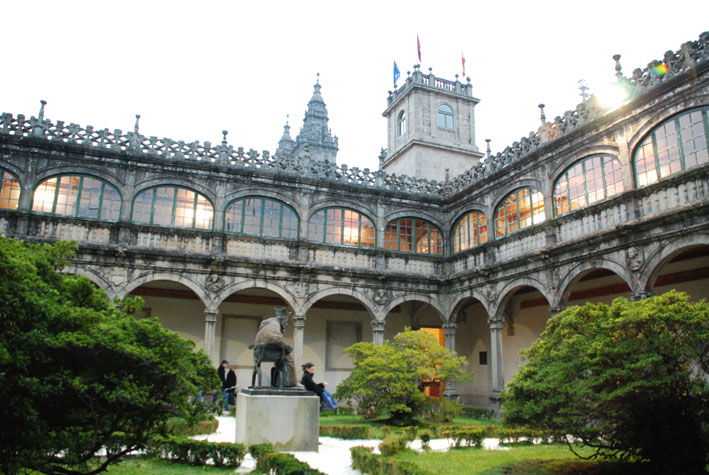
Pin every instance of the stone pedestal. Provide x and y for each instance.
(287, 418)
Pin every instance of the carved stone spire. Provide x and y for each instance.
(286, 144)
(315, 132)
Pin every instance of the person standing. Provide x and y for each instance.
(230, 384)
(222, 372)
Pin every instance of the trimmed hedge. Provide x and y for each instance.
(347, 432)
(268, 461)
(180, 427)
(365, 461)
(477, 412)
(196, 452)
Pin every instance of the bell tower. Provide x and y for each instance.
(430, 128)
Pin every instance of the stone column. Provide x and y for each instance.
(496, 360)
(210, 332)
(451, 390)
(298, 330)
(377, 332)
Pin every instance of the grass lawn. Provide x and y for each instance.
(143, 465)
(529, 459)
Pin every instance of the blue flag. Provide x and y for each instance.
(396, 73)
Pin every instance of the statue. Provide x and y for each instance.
(268, 346)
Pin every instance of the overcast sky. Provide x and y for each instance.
(194, 68)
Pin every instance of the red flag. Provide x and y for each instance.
(462, 59)
(418, 47)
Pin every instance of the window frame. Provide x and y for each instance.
(587, 191)
(449, 114)
(172, 224)
(263, 199)
(77, 202)
(13, 178)
(502, 203)
(401, 123)
(343, 209)
(455, 226)
(652, 135)
(414, 221)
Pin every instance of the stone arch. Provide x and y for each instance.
(649, 273)
(413, 213)
(560, 297)
(527, 182)
(433, 302)
(13, 169)
(88, 170)
(255, 284)
(170, 180)
(254, 191)
(463, 300)
(94, 277)
(508, 290)
(181, 279)
(342, 203)
(355, 294)
(660, 115)
(585, 152)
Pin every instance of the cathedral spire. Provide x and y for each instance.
(315, 136)
(286, 144)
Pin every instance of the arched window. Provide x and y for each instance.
(520, 209)
(9, 191)
(413, 235)
(673, 146)
(78, 195)
(469, 231)
(341, 226)
(445, 116)
(401, 123)
(259, 216)
(589, 180)
(173, 206)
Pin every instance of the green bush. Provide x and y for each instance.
(393, 443)
(477, 412)
(285, 464)
(365, 461)
(627, 379)
(178, 426)
(196, 452)
(468, 437)
(386, 382)
(346, 432)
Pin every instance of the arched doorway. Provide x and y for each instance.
(686, 270)
(472, 340)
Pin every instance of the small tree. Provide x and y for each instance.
(78, 375)
(629, 380)
(386, 383)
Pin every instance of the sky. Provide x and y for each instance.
(193, 69)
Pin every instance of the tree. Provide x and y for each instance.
(629, 380)
(386, 381)
(76, 373)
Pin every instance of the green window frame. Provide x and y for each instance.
(173, 206)
(520, 209)
(587, 181)
(79, 196)
(10, 190)
(261, 216)
(673, 146)
(470, 230)
(415, 235)
(342, 227)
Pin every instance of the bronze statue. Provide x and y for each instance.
(268, 346)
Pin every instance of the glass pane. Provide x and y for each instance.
(44, 196)
(289, 225)
(271, 218)
(351, 228)
(232, 217)
(694, 140)
(164, 202)
(142, 206)
(90, 199)
(333, 227)
(390, 240)
(406, 235)
(67, 195)
(316, 226)
(9, 192)
(368, 234)
(185, 208)
(252, 216)
(421, 237)
(204, 216)
(111, 204)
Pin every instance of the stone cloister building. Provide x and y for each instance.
(595, 204)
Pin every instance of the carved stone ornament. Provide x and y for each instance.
(489, 291)
(214, 283)
(381, 296)
(634, 258)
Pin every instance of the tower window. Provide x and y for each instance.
(445, 116)
(401, 123)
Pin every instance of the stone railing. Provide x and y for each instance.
(430, 80)
(690, 55)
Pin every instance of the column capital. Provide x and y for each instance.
(299, 320)
(497, 324)
(210, 315)
(377, 326)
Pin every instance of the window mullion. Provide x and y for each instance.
(656, 155)
(100, 200)
(262, 212)
(152, 206)
(280, 220)
(174, 205)
(678, 128)
(78, 196)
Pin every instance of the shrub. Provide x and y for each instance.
(365, 461)
(393, 443)
(285, 464)
(386, 382)
(346, 432)
(196, 452)
(627, 379)
(468, 437)
(179, 426)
